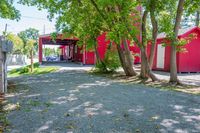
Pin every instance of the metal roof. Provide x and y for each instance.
(181, 32)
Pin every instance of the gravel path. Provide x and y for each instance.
(76, 102)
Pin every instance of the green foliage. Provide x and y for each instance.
(17, 41)
(8, 11)
(29, 33)
(35, 65)
(112, 60)
(192, 6)
(50, 51)
(26, 70)
(29, 36)
(54, 36)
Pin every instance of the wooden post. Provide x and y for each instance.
(3, 72)
(31, 56)
(40, 50)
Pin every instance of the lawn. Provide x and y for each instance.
(37, 70)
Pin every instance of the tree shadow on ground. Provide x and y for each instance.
(79, 102)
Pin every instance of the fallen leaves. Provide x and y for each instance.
(11, 107)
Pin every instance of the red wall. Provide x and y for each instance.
(186, 61)
(103, 44)
(63, 52)
(89, 58)
(78, 57)
(189, 61)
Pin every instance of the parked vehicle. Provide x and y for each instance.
(51, 58)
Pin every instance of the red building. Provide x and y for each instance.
(71, 51)
(186, 61)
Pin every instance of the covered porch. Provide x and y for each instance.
(68, 49)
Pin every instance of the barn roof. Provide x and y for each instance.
(181, 31)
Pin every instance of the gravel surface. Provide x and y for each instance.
(76, 102)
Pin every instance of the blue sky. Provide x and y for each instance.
(30, 17)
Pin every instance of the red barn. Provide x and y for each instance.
(186, 61)
(70, 51)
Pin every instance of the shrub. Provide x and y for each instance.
(24, 70)
(110, 63)
(35, 65)
(112, 60)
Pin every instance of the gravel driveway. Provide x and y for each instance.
(76, 102)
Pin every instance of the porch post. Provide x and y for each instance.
(40, 50)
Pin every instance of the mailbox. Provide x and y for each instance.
(6, 46)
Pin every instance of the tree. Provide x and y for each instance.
(192, 7)
(30, 39)
(154, 8)
(18, 43)
(28, 34)
(117, 16)
(90, 26)
(8, 11)
(30, 47)
(173, 63)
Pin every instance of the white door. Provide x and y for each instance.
(160, 56)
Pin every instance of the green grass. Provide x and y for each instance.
(37, 70)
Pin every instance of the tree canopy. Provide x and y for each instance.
(26, 36)
(8, 11)
(17, 41)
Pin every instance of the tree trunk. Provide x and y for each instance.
(197, 18)
(99, 60)
(31, 57)
(145, 72)
(173, 63)
(125, 59)
(154, 33)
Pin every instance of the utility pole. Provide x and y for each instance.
(44, 29)
(6, 26)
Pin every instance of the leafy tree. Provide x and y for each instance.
(50, 51)
(192, 7)
(30, 47)
(117, 17)
(173, 64)
(154, 9)
(8, 11)
(17, 42)
(75, 21)
(28, 34)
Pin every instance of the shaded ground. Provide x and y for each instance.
(76, 102)
(186, 78)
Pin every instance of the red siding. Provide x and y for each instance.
(102, 45)
(189, 61)
(78, 57)
(89, 58)
(186, 61)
